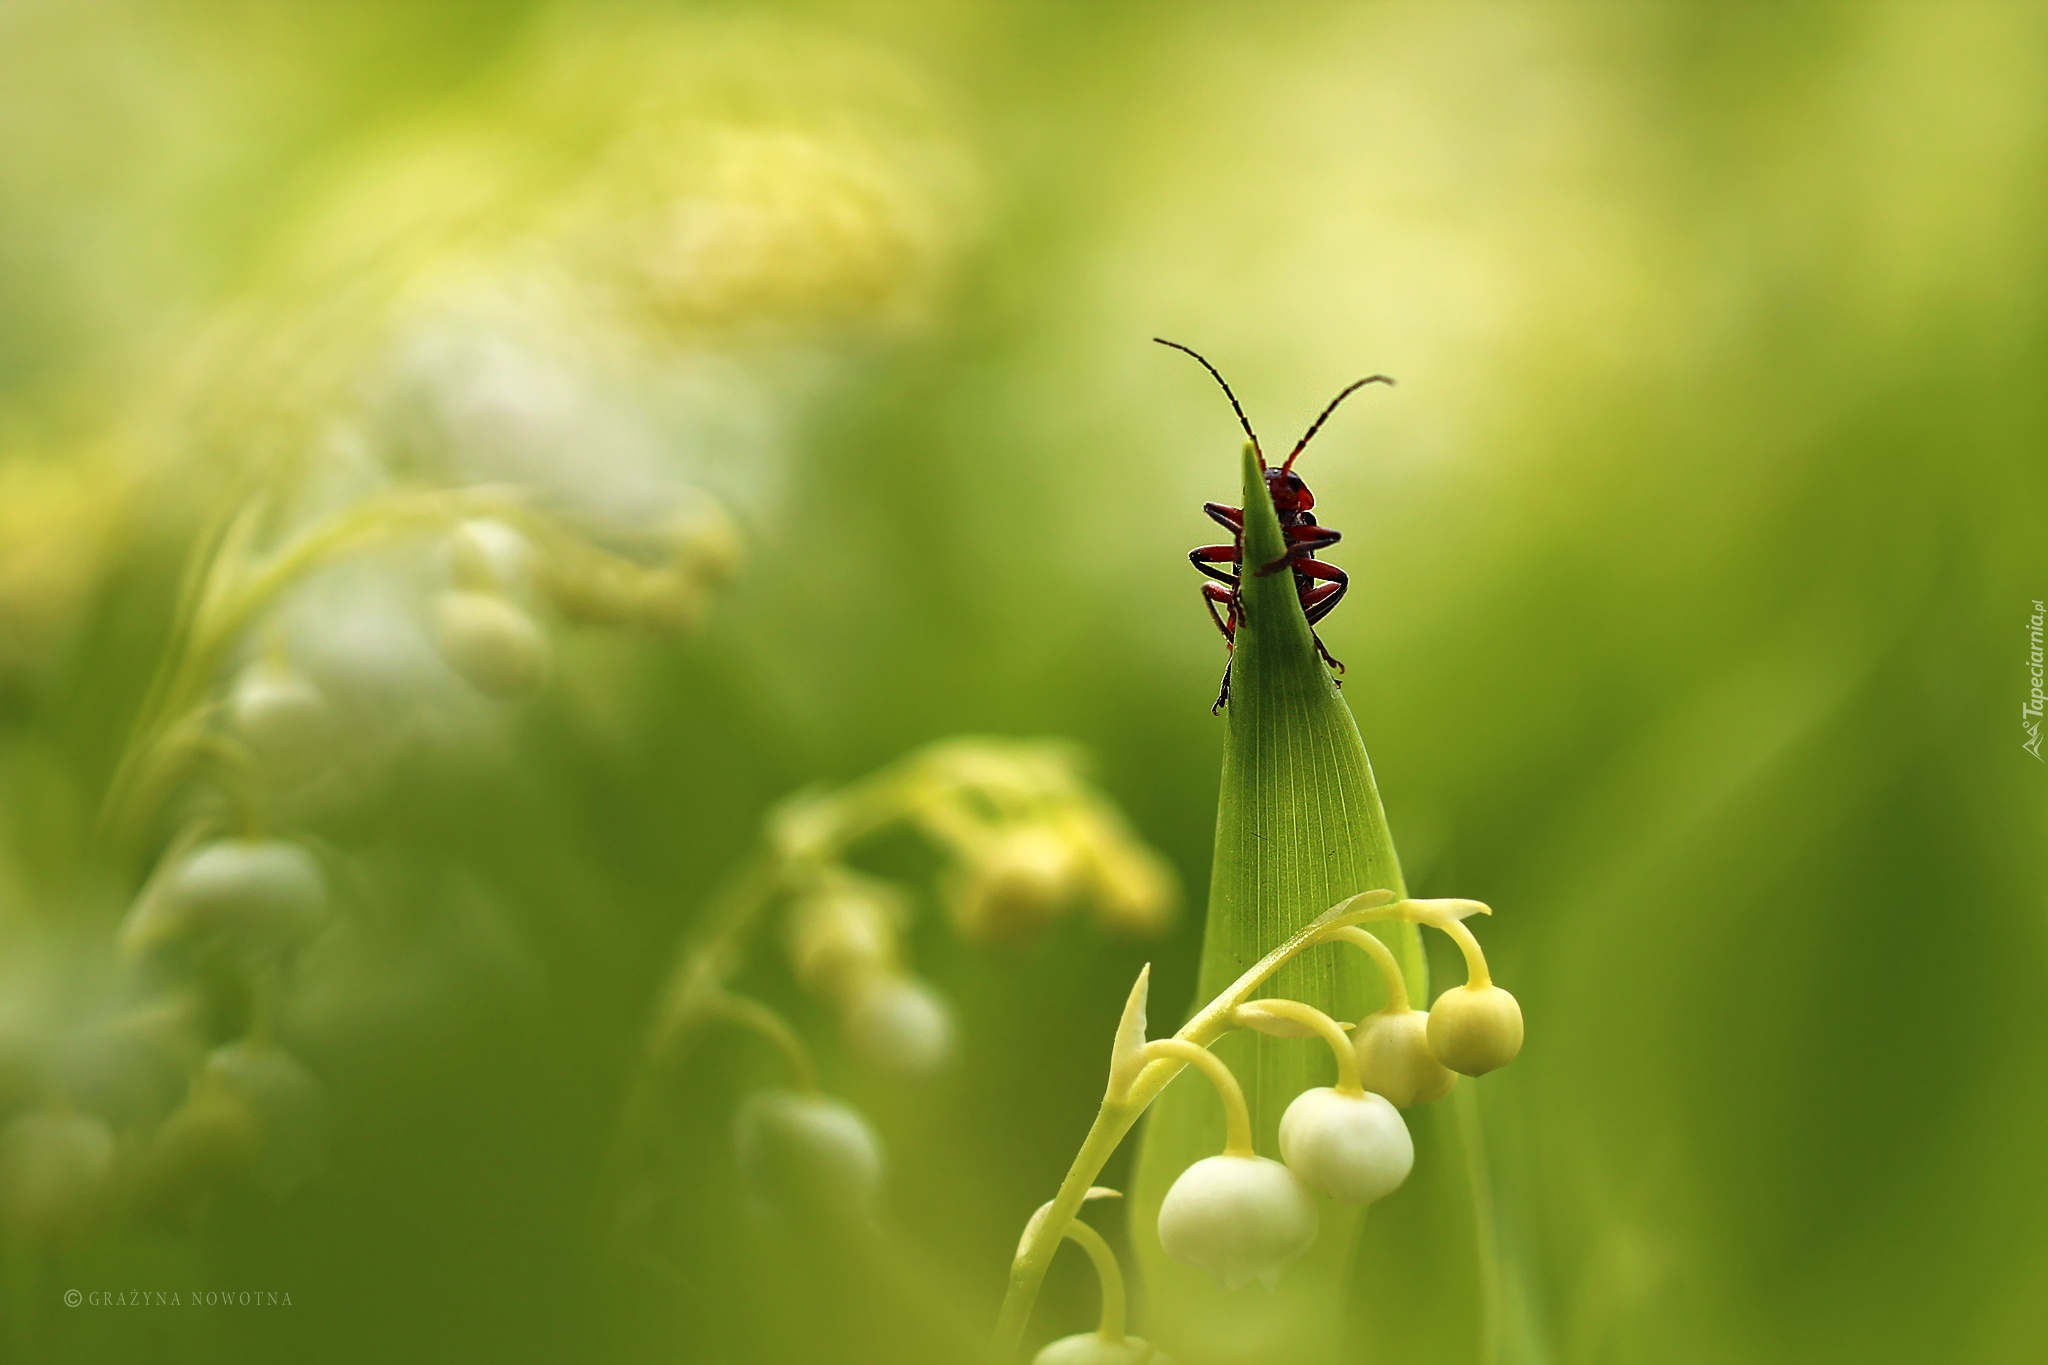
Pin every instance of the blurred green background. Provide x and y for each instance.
(1692, 564)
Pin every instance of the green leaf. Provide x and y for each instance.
(1299, 827)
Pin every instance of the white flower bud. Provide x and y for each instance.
(256, 894)
(290, 1104)
(1016, 883)
(53, 1176)
(489, 556)
(1394, 1059)
(802, 1153)
(493, 644)
(1241, 1218)
(1474, 1029)
(1354, 1148)
(284, 719)
(1092, 1348)
(900, 1024)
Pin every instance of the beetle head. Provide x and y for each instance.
(1287, 490)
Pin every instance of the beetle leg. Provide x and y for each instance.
(1328, 658)
(1224, 515)
(1316, 568)
(1321, 600)
(1211, 595)
(1205, 557)
(1311, 538)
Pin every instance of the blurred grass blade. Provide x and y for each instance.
(1299, 827)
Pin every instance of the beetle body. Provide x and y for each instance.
(1319, 585)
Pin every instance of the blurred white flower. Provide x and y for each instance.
(497, 647)
(898, 1023)
(255, 896)
(290, 1104)
(283, 718)
(807, 1153)
(1092, 1348)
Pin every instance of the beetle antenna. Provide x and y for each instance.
(1317, 426)
(1234, 407)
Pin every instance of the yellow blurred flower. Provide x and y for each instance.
(57, 519)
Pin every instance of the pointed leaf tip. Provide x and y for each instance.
(1127, 1055)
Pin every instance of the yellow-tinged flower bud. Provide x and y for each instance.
(1018, 881)
(1241, 1218)
(1092, 1348)
(1133, 888)
(1473, 1029)
(669, 600)
(710, 546)
(1394, 1058)
(844, 935)
(54, 1170)
(1354, 1148)
(492, 643)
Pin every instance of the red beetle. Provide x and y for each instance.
(1321, 586)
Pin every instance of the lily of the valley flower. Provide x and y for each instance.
(1241, 1218)
(1475, 1027)
(898, 1023)
(807, 1153)
(1394, 1059)
(254, 894)
(1352, 1147)
(290, 1105)
(283, 718)
(493, 643)
(1091, 1348)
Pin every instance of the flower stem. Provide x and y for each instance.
(1324, 1026)
(1237, 1119)
(1108, 1273)
(1390, 971)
